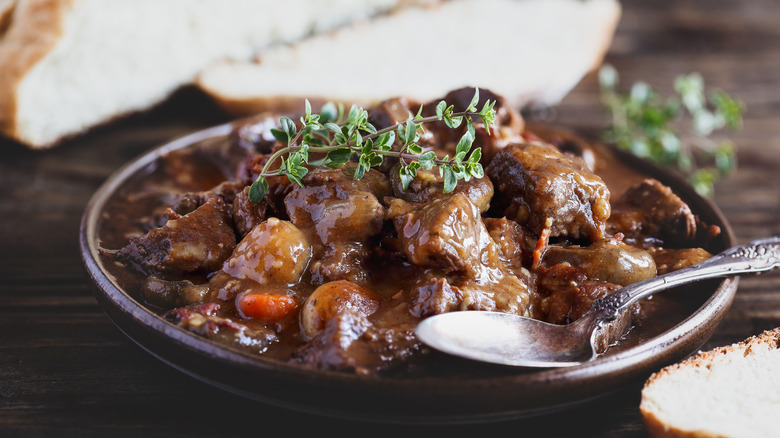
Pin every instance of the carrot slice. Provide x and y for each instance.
(541, 244)
(270, 307)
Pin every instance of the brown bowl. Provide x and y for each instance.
(466, 392)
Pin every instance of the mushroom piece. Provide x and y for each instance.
(331, 298)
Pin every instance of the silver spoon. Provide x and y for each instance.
(508, 339)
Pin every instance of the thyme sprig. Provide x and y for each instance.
(675, 131)
(342, 136)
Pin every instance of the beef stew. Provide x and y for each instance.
(335, 274)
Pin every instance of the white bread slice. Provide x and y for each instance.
(529, 51)
(67, 65)
(731, 391)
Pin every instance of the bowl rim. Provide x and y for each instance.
(113, 299)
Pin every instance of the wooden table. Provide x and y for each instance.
(66, 370)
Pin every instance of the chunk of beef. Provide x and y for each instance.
(565, 141)
(247, 215)
(507, 129)
(187, 202)
(173, 293)
(279, 186)
(514, 242)
(353, 218)
(350, 342)
(447, 234)
(429, 185)
(567, 293)
(434, 296)
(342, 260)
(336, 206)
(391, 112)
(339, 213)
(205, 320)
(448, 237)
(650, 210)
(197, 242)
(535, 183)
(226, 191)
(254, 133)
(505, 292)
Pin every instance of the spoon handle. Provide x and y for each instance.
(755, 257)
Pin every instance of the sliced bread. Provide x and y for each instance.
(530, 51)
(67, 65)
(731, 391)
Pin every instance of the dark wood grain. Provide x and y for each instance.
(65, 370)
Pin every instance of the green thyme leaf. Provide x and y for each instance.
(279, 135)
(368, 146)
(464, 144)
(474, 100)
(450, 180)
(385, 140)
(288, 126)
(419, 112)
(470, 128)
(407, 174)
(339, 157)
(406, 178)
(340, 138)
(453, 122)
(476, 170)
(258, 189)
(352, 115)
(307, 111)
(294, 178)
(362, 167)
(414, 148)
(488, 114)
(440, 107)
(329, 113)
(475, 156)
(428, 160)
(370, 128)
(330, 126)
(410, 132)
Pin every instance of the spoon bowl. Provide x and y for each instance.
(514, 340)
(507, 339)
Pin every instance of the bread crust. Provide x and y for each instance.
(6, 10)
(34, 29)
(656, 428)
